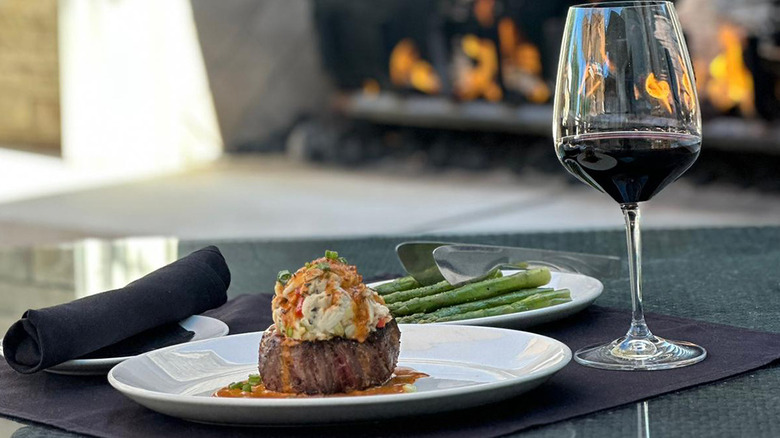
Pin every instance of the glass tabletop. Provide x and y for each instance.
(727, 275)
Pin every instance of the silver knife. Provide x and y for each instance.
(468, 262)
(460, 264)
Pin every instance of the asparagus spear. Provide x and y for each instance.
(424, 291)
(500, 300)
(472, 292)
(442, 286)
(536, 301)
(399, 284)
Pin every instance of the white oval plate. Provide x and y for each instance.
(203, 326)
(584, 290)
(468, 366)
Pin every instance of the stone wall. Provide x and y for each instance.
(29, 74)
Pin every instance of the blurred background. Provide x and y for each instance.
(293, 118)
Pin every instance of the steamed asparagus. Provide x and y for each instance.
(536, 301)
(425, 291)
(399, 284)
(472, 292)
(408, 294)
(500, 300)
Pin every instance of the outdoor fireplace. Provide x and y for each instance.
(506, 50)
(486, 50)
(446, 76)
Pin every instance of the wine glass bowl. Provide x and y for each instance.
(627, 123)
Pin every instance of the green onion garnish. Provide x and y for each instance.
(235, 385)
(343, 260)
(283, 276)
(323, 266)
(247, 387)
(333, 255)
(254, 379)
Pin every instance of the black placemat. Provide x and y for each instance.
(89, 405)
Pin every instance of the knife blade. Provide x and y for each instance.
(417, 258)
(462, 263)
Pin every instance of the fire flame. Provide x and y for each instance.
(407, 69)
(730, 84)
(592, 81)
(521, 63)
(687, 93)
(660, 90)
(483, 11)
(596, 60)
(371, 87)
(481, 79)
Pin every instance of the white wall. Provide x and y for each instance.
(135, 95)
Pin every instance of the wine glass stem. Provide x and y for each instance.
(638, 328)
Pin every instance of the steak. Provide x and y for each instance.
(328, 367)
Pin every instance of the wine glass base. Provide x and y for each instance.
(630, 354)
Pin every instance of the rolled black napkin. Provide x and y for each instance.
(49, 336)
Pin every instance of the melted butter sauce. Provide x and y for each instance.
(396, 385)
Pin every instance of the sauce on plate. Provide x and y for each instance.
(397, 384)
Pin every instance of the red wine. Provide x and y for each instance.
(629, 166)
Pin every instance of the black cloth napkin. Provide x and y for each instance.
(89, 405)
(138, 317)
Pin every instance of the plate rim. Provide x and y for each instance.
(521, 316)
(317, 402)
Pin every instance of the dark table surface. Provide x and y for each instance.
(729, 276)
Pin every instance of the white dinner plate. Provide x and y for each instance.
(203, 326)
(468, 366)
(584, 290)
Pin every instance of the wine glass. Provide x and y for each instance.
(627, 123)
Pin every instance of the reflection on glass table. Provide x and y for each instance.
(46, 276)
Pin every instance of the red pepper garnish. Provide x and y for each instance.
(299, 307)
(381, 323)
